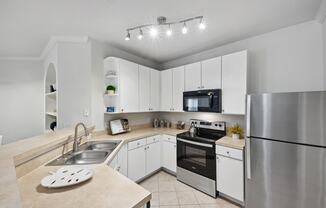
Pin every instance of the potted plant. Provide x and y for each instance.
(236, 131)
(110, 89)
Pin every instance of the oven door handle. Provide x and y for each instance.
(195, 143)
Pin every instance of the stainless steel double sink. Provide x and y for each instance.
(93, 152)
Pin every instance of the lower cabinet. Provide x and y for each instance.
(120, 161)
(169, 153)
(230, 172)
(144, 157)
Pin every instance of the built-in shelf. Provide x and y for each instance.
(110, 95)
(51, 94)
(111, 76)
(52, 114)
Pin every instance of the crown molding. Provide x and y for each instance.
(321, 13)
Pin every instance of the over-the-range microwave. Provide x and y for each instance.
(203, 101)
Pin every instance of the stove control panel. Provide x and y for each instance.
(216, 125)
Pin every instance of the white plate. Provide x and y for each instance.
(67, 176)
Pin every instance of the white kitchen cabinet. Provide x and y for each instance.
(193, 77)
(137, 163)
(211, 73)
(155, 92)
(153, 157)
(169, 153)
(144, 88)
(234, 83)
(230, 173)
(178, 88)
(120, 161)
(128, 85)
(166, 90)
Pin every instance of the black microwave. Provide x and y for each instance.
(203, 101)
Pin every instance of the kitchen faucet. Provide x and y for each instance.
(76, 141)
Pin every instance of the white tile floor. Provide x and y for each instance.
(167, 192)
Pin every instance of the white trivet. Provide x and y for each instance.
(67, 176)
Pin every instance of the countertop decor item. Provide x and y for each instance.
(236, 131)
(181, 125)
(110, 89)
(67, 176)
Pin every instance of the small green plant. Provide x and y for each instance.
(110, 87)
(236, 129)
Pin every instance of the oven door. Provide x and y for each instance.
(202, 101)
(197, 157)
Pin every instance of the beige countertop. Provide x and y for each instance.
(229, 142)
(111, 188)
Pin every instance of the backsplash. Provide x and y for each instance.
(229, 119)
(136, 119)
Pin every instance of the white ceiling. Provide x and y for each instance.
(26, 26)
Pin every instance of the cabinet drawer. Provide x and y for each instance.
(169, 138)
(153, 139)
(136, 144)
(229, 152)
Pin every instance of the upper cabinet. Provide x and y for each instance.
(155, 92)
(172, 87)
(211, 73)
(178, 88)
(129, 94)
(192, 77)
(144, 88)
(149, 89)
(203, 75)
(234, 83)
(166, 90)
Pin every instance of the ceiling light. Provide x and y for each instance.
(184, 28)
(169, 31)
(140, 36)
(127, 36)
(202, 25)
(153, 32)
(154, 29)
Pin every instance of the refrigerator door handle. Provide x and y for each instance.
(248, 158)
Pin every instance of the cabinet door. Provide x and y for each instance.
(169, 159)
(136, 163)
(229, 177)
(144, 88)
(129, 97)
(192, 77)
(123, 160)
(234, 83)
(155, 90)
(166, 90)
(211, 72)
(178, 88)
(153, 157)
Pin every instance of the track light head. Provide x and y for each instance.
(184, 28)
(169, 31)
(140, 36)
(127, 36)
(202, 25)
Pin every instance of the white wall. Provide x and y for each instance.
(99, 52)
(22, 99)
(290, 59)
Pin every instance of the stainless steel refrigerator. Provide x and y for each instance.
(286, 150)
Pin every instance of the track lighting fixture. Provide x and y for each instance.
(140, 36)
(127, 36)
(154, 30)
(184, 28)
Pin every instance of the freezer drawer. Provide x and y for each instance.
(285, 175)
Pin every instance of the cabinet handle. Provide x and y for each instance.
(198, 87)
(202, 87)
(121, 109)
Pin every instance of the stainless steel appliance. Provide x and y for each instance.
(286, 150)
(119, 126)
(196, 161)
(202, 101)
